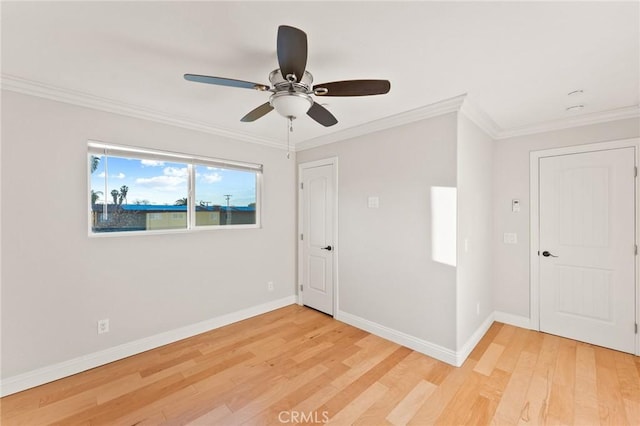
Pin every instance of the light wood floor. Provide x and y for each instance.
(297, 364)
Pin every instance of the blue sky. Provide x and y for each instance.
(164, 182)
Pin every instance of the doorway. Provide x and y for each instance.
(584, 244)
(317, 239)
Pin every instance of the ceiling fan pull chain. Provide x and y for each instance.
(289, 130)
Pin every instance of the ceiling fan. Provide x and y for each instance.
(292, 85)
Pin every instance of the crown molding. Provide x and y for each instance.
(432, 110)
(461, 104)
(480, 118)
(577, 121)
(42, 90)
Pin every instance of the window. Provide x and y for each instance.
(140, 190)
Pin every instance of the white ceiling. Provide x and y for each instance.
(516, 60)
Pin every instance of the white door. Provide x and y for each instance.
(587, 247)
(317, 232)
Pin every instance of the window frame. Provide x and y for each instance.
(190, 161)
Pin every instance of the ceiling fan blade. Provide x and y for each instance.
(353, 88)
(321, 115)
(292, 51)
(220, 81)
(258, 112)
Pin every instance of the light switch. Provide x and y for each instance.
(510, 238)
(373, 202)
(515, 206)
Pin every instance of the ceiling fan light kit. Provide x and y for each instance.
(291, 98)
(292, 86)
(291, 105)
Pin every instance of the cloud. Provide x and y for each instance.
(211, 178)
(151, 163)
(175, 171)
(118, 176)
(170, 180)
(161, 181)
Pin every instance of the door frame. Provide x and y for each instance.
(534, 222)
(330, 161)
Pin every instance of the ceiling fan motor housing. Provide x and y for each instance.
(291, 97)
(299, 84)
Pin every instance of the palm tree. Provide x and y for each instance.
(123, 194)
(181, 202)
(114, 194)
(94, 196)
(95, 160)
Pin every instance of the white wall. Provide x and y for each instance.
(475, 223)
(386, 269)
(57, 282)
(511, 180)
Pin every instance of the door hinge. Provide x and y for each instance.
(301, 237)
(301, 185)
(303, 287)
(635, 171)
(636, 328)
(636, 250)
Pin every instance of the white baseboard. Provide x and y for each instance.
(471, 343)
(455, 358)
(57, 371)
(511, 319)
(431, 349)
(73, 366)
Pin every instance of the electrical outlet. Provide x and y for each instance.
(103, 326)
(270, 286)
(510, 238)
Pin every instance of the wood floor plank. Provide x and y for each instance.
(400, 380)
(610, 402)
(512, 352)
(457, 410)
(352, 385)
(297, 364)
(632, 410)
(359, 405)
(265, 399)
(187, 408)
(628, 377)
(562, 396)
(318, 399)
(150, 414)
(113, 409)
(513, 400)
(505, 335)
(484, 343)
(586, 393)
(440, 398)
(407, 408)
(483, 409)
(213, 417)
(49, 413)
(364, 365)
(536, 407)
(489, 359)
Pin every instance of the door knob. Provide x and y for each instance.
(328, 248)
(547, 254)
